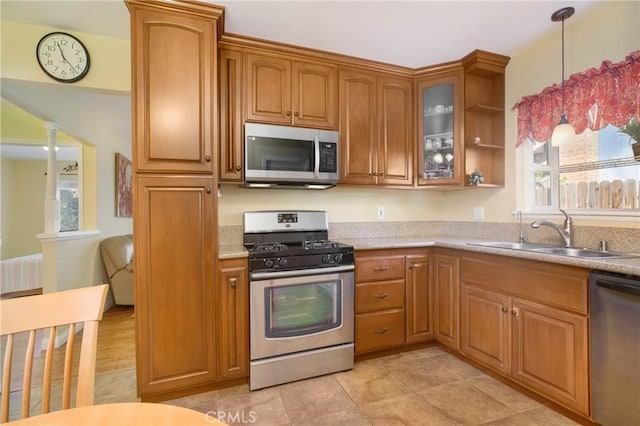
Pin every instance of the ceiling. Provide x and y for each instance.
(407, 33)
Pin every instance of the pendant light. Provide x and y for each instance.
(564, 132)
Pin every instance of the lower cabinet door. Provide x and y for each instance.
(550, 353)
(380, 330)
(174, 249)
(445, 289)
(485, 327)
(233, 325)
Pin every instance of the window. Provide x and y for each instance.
(596, 173)
(68, 194)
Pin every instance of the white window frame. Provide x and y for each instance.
(528, 185)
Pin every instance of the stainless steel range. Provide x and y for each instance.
(301, 297)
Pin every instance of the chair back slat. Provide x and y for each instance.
(83, 307)
(48, 368)
(6, 379)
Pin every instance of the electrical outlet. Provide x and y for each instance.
(478, 213)
(380, 213)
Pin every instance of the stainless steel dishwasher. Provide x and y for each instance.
(614, 302)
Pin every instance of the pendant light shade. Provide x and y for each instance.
(564, 132)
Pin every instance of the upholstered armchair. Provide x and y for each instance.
(117, 256)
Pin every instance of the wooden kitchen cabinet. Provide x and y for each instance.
(231, 119)
(419, 285)
(485, 333)
(175, 132)
(279, 90)
(174, 282)
(446, 269)
(375, 129)
(439, 146)
(174, 83)
(484, 115)
(379, 300)
(233, 322)
(529, 321)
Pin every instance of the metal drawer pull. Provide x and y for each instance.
(382, 269)
(380, 296)
(504, 309)
(384, 330)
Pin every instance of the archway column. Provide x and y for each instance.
(51, 201)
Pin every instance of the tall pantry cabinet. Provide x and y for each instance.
(174, 144)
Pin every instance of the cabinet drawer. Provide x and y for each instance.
(379, 268)
(379, 296)
(379, 330)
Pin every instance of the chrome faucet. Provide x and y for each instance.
(566, 232)
(522, 237)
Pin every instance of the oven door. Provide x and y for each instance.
(302, 312)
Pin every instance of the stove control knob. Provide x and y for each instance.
(338, 258)
(268, 263)
(282, 262)
(326, 258)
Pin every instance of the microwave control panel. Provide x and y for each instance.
(328, 157)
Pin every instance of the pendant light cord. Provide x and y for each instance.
(563, 114)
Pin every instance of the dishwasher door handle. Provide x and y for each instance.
(619, 286)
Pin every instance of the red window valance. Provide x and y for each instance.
(594, 98)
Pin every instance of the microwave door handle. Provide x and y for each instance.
(316, 151)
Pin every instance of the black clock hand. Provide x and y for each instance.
(65, 59)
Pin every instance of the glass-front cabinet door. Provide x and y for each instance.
(440, 148)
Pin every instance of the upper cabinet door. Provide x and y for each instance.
(358, 128)
(395, 141)
(231, 140)
(440, 148)
(315, 95)
(281, 91)
(268, 94)
(174, 79)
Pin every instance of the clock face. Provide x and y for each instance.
(62, 57)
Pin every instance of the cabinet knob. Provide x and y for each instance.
(420, 175)
(514, 312)
(384, 330)
(381, 174)
(296, 114)
(207, 158)
(288, 113)
(207, 190)
(238, 168)
(233, 281)
(504, 309)
(380, 296)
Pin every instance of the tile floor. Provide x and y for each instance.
(422, 387)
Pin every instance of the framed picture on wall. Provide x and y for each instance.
(124, 186)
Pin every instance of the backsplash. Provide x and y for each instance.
(625, 240)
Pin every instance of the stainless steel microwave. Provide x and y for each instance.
(290, 157)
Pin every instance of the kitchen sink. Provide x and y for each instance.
(513, 246)
(581, 252)
(556, 250)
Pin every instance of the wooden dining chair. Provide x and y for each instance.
(78, 308)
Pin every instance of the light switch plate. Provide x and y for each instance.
(380, 213)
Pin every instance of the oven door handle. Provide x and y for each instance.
(300, 272)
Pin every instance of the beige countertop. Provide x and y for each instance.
(623, 266)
